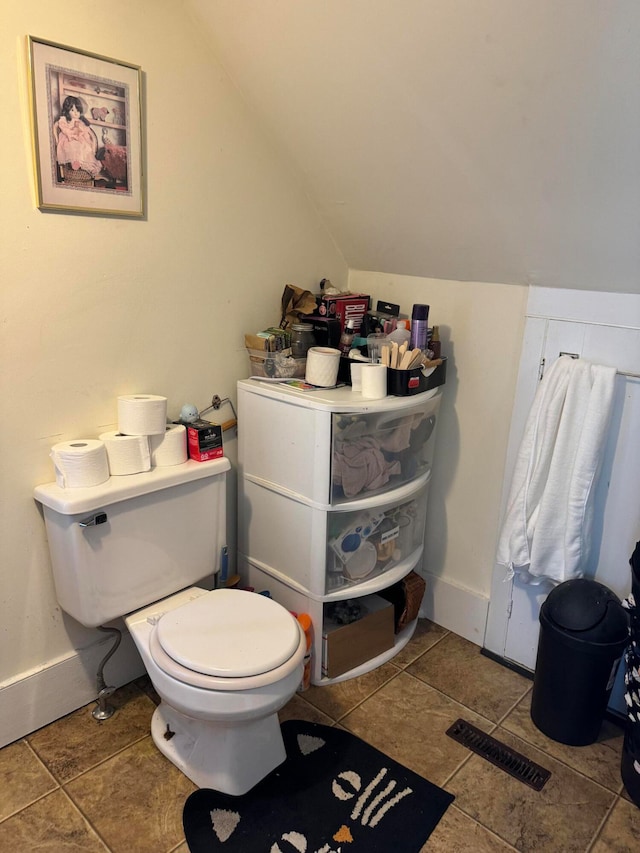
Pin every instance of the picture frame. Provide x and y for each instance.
(87, 131)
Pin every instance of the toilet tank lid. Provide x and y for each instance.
(116, 489)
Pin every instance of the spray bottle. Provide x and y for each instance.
(419, 327)
(346, 338)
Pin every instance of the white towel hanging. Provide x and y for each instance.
(546, 531)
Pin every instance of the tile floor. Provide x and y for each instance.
(78, 785)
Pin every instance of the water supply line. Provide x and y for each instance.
(104, 710)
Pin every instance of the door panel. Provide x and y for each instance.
(617, 509)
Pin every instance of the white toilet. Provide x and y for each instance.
(223, 661)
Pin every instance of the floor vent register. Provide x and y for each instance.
(500, 754)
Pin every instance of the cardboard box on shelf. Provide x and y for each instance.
(326, 330)
(347, 646)
(270, 340)
(352, 306)
(204, 440)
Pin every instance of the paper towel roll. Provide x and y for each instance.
(80, 463)
(170, 448)
(127, 454)
(142, 414)
(374, 381)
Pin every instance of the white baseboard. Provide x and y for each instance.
(36, 698)
(457, 609)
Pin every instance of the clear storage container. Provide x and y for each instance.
(327, 552)
(276, 365)
(372, 453)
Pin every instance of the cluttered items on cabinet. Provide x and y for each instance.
(342, 324)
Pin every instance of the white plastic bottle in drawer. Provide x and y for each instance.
(374, 452)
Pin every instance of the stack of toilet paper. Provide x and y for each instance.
(142, 440)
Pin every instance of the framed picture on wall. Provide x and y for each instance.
(86, 114)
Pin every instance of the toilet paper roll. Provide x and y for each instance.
(322, 366)
(80, 463)
(127, 454)
(356, 376)
(374, 381)
(170, 448)
(142, 414)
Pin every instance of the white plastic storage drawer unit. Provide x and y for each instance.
(332, 497)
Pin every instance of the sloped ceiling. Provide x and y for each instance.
(480, 140)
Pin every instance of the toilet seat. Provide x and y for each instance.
(227, 640)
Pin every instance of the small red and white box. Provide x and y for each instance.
(204, 440)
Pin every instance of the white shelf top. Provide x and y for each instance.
(341, 399)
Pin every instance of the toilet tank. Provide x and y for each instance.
(135, 539)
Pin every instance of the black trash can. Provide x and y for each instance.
(584, 630)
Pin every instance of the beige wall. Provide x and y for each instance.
(481, 328)
(94, 307)
(475, 140)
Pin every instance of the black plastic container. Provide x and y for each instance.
(402, 383)
(584, 630)
(405, 383)
(344, 370)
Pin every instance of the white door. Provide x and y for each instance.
(513, 627)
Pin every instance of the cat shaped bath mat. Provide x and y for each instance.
(333, 794)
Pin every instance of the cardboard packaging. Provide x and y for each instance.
(347, 646)
(343, 308)
(326, 330)
(271, 340)
(204, 440)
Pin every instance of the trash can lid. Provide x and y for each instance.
(589, 609)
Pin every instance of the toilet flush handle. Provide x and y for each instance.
(93, 520)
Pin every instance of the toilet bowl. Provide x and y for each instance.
(223, 663)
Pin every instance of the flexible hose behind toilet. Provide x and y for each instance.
(104, 710)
